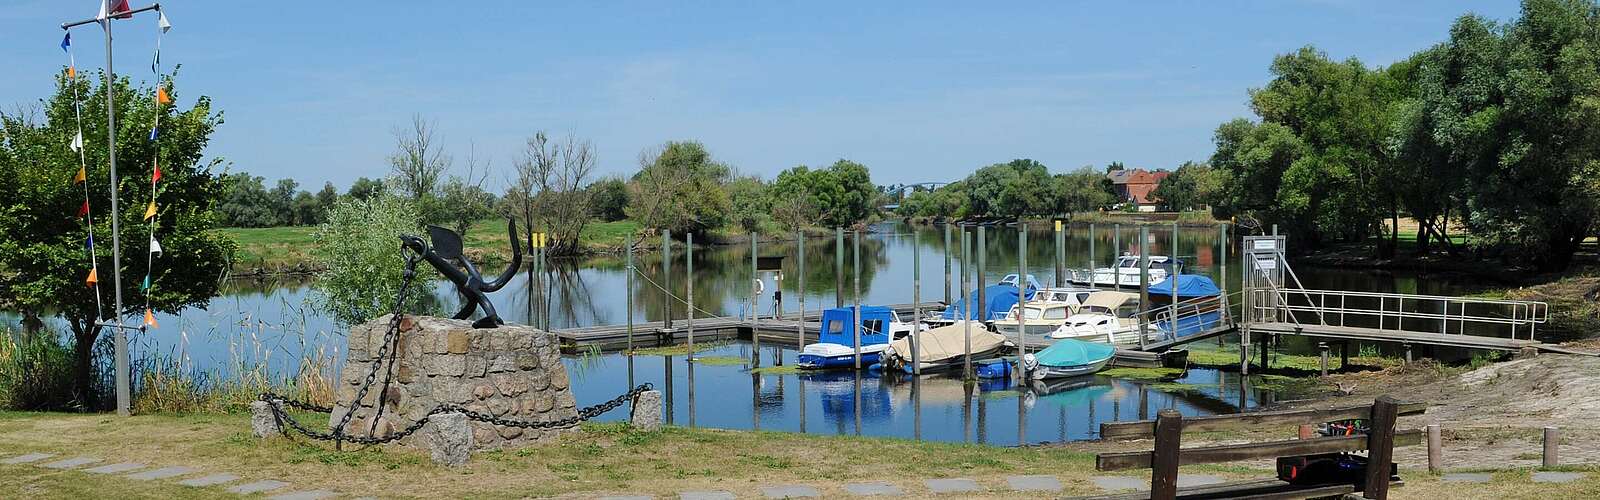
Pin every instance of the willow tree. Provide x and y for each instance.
(44, 256)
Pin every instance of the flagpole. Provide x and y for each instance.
(119, 334)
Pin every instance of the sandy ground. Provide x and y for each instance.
(1494, 416)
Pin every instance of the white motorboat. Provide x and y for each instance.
(1108, 317)
(1125, 272)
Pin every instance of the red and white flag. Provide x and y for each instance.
(109, 7)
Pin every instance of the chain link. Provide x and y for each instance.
(337, 434)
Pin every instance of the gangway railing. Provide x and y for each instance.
(1194, 312)
(1401, 312)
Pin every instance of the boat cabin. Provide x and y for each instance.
(1128, 261)
(1011, 280)
(839, 328)
(1071, 295)
(1119, 304)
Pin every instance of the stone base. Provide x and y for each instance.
(513, 372)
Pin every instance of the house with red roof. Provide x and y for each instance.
(1136, 185)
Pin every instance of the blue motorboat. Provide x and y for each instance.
(1068, 358)
(836, 348)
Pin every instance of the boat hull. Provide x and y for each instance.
(824, 356)
(1046, 372)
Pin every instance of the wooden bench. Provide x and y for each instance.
(1168, 428)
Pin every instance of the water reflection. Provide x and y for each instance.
(929, 407)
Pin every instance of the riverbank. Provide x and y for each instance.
(607, 459)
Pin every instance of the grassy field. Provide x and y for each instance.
(603, 459)
(288, 248)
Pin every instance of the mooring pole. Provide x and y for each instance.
(1022, 299)
(1061, 255)
(1172, 275)
(1144, 286)
(838, 267)
(1116, 253)
(755, 299)
(855, 315)
(118, 334)
(688, 294)
(916, 309)
(966, 305)
(946, 250)
(628, 299)
(666, 281)
(800, 293)
(1222, 275)
(983, 256)
(1091, 253)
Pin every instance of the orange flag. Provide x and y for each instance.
(155, 176)
(151, 211)
(93, 278)
(150, 318)
(72, 73)
(162, 97)
(81, 175)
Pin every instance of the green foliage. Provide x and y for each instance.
(1013, 189)
(609, 199)
(1191, 186)
(35, 371)
(751, 206)
(841, 195)
(43, 259)
(246, 202)
(460, 203)
(679, 189)
(364, 189)
(1081, 190)
(359, 250)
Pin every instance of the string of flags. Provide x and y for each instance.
(81, 177)
(163, 98)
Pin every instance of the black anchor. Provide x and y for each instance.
(445, 255)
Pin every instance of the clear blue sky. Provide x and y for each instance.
(918, 91)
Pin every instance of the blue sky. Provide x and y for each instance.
(917, 91)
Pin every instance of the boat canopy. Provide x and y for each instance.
(1109, 300)
(1070, 352)
(1189, 286)
(1000, 298)
(838, 327)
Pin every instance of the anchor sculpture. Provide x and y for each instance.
(445, 255)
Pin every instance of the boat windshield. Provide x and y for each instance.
(1094, 310)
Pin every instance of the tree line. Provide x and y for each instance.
(1493, 130)
(1018, 188)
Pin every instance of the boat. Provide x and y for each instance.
(1125, 272)
(836, 347)
(943, 347)
(999, 298)
(1109, 317)
(1068, 358)
(1047, 310)
(1199, 306)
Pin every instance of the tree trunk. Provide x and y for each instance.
(1424, 236)
(84, 333)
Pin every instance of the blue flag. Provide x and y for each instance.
(66, 42)
(89, 245)
(152, 134)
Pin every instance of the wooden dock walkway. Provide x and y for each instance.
(779, 331)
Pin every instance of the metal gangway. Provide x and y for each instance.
(1273, 301)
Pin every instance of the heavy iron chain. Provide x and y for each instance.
(584, 414)
(337, 434)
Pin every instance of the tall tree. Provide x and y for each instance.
(552, 189)
(679, 188)
(43, 257)
(419, 164)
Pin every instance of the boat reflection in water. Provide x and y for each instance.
(937, 407)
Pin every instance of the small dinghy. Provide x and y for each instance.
(1068, 358)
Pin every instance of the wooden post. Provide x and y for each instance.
(1061, 255)
(983, 257)
(628, 298)
(1380, 447)
(666, 281)
(1408, 352)
(855, 314)
(1552, 444)
(800, 294)
(1322, 349)
(1116, 253)
(946, 249)
(1144, 285)
(1164, 461)
(966, 309)
(1091, 254)
(1022, 298)
(916, 311)
(688, 294)
(1244, 350)
(1435, 454)
(838, 267)
(755, 300)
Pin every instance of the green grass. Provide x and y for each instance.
(287, 248)
(1143, 373)
(679, 349)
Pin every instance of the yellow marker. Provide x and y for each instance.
(1058, 226)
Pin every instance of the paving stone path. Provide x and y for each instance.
(706, 495)
(257, 487)
(211, 480)
(790, 491)
(1034, 483)
(115, 468)
(873, 489)
(1467, 477)
(1556, 477)
(71, 463)
(953, 485)
(163, 473)
(26, 459)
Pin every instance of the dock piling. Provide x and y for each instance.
(946, 250)
(800, 292)
(983, 256)
(1116, 251)
(666, 282)
(1022, 297)
(1144, 286)
(838, 267)
(916, 310)
(1172, 274)
(688, 282)
(1552, 444)
(966, 307)
(628, 297)
(755, 301)
(1322, 349)
(855, 315)
(1435, 453)
(1061, 255)
(1091, 253)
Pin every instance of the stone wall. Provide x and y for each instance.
(513, 372)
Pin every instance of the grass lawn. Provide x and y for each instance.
(276, 248)
(603, 459)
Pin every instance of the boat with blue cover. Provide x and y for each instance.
(999, 298)
(1068, 358)
(836, 348)
(1199, 304)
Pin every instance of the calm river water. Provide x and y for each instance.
(268, 323)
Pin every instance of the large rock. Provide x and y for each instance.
(506, 372)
